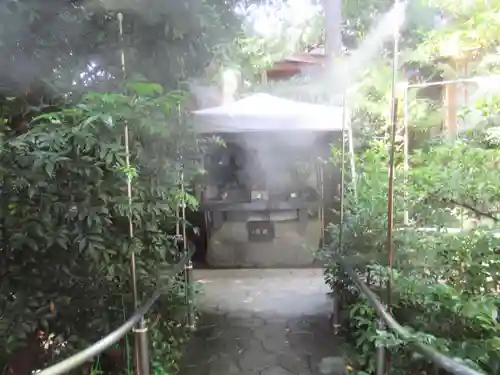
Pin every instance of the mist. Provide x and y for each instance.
(273, 157)
(352, 66)
(75, 45)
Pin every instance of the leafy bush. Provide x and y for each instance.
(445, 271)
(64, 229)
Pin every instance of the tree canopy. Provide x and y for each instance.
(64, 105)
(76, 43)
(442, 282)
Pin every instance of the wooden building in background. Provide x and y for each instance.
(458, 95)
(295, 64)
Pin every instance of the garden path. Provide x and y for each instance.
(261, 322)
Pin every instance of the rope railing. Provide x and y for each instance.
(446, 363)
(100, 346)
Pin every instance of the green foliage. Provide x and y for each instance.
(444, 278)
(168, 342)
(71, 41)
(294, 28)
(63, 223)
(64, 109)
(471, 24)
(63, 171)
(444, 281)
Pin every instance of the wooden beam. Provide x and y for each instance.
(450, 104)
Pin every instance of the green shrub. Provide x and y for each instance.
(444, 282)
(63, 221)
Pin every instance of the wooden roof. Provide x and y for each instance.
(296, 63)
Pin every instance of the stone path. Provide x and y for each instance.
(261, 322)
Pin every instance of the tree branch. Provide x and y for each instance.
(478, 212)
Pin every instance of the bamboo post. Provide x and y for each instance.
(390, 189)
(353, 162)
(406, 165)
(141, 342)
(188, 269)
(342, 175)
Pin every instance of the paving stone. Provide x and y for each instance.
(273, 337)
(268, 322)
(299, 323)
(257, 359)
(224, 364)
(302, 343)
(277, 330)
(276, 371)
(214, 334)
(274, 345)
(195, 370)
(251, 322)
(331, 366)
(242, 314)
(237, 333)
(293, 363)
